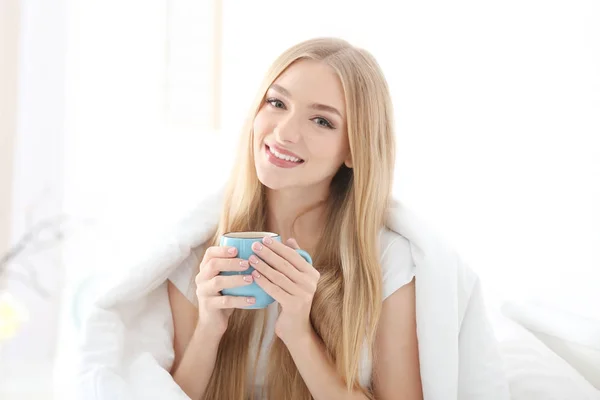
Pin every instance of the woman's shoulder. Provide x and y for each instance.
(394, 244)
(397, 265)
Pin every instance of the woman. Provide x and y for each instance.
(315, 165)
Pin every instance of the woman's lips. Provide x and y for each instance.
(278, 162)
(282, 151)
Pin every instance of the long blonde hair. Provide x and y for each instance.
(347, 304)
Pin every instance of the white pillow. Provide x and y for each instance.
(533, 370)
(574, 338)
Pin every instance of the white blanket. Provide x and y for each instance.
(126, 337)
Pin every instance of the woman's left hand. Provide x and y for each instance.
(290, 280)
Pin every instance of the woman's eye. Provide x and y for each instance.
(276, 103)
(323, 122)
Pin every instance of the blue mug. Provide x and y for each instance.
(243, 241)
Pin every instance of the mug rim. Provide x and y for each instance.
(257, 234)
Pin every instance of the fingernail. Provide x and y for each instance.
(250, 300)
(248, 278)
(256, 274)
(244, 264)
(232, 250)
(267, 240)
(253, 259)
(257, 246)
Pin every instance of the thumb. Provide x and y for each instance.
(292, 243)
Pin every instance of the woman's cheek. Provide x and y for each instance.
(258, 124)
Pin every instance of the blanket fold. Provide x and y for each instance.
(126, 348)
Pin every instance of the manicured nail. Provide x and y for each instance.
(250, 300)
(257, 246)
(232, 250)
(244, 264)
(253, 259)
(267, 240)
(256, 274)
(248, 278)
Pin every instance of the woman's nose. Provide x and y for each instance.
(287, 130)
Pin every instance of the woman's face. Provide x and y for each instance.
(300, 136)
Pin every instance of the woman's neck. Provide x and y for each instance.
(283, 206)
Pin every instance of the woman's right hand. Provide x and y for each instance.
(214, 308)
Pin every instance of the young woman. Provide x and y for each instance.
(315, 165)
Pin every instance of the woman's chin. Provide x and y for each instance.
(272, 182)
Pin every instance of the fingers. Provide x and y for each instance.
(222, 302)
(291, 242)
(212, 286)
(279, 276)
(283, 251)
(208, 291)
(273, 290)
(221, 282)
(211, 267)
(218, 252)
(296, 273)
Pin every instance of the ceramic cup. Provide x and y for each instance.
(243, 241)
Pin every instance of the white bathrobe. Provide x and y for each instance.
(126, 346)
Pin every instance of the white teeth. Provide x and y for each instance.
(283, 156)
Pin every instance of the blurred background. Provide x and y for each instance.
(123, 114)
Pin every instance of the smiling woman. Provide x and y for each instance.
(529, 132)
(310, 136)
(315, 166)
(315, 163)
(309, 172)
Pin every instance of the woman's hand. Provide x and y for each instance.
(214, 309)
(290, 280)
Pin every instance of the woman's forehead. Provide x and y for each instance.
(310, 81)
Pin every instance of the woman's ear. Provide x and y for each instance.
(348, 162)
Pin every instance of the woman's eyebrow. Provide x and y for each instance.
(314, 106)
(281, 90)
(325, 107)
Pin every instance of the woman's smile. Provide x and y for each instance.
(282, 160)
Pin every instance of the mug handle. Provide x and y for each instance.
(304, 255)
